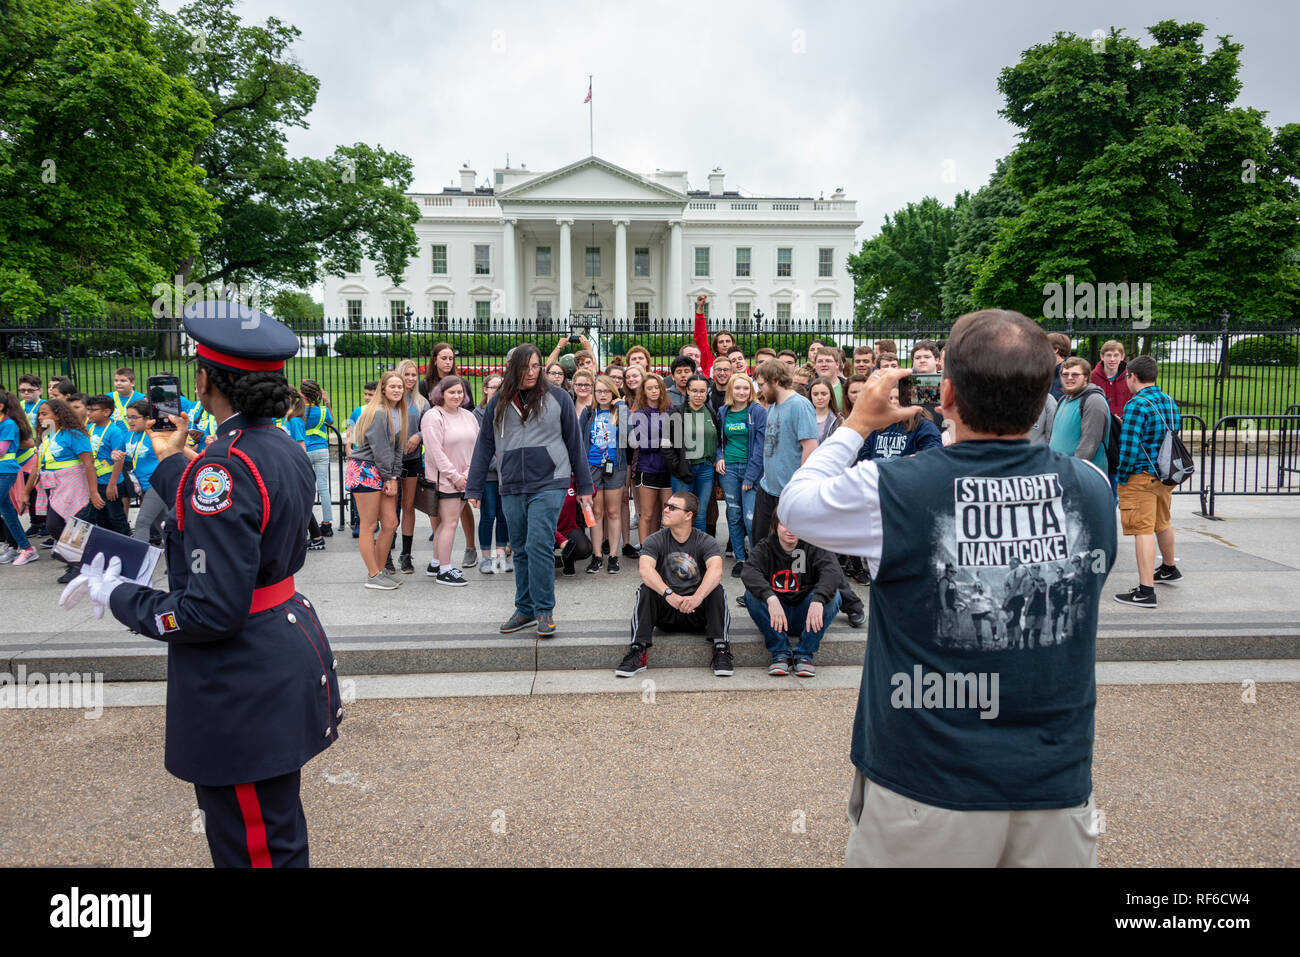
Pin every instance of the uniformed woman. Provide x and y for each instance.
(252, 693)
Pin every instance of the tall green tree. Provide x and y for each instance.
(978, 222)
(283, 220)
(1135, 167)
(99, 194)
(900, 270)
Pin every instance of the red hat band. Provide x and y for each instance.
(238, 362)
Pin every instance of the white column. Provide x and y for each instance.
(620, 270)
(521, 273)
(566, 273)
(673, 308)
(509, 270)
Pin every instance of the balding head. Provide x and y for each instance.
(1001, 366)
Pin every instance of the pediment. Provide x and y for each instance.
(591, 179)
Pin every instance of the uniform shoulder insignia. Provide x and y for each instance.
(212, 489)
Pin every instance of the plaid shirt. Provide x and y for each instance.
(1146, 417)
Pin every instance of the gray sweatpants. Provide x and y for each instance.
(149, 517)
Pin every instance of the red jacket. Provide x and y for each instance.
(702, 340)
(1117, 392)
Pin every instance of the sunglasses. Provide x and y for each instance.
(670, 507)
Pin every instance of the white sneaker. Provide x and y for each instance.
(8, 555)
(498, 562)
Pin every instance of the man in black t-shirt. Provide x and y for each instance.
(681, 588)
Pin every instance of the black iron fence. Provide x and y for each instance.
(1241, 377)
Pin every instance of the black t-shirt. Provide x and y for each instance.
(681, 564)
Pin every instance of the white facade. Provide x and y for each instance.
(536, 244)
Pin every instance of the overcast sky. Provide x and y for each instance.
(892, 102)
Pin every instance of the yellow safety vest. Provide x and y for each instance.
(101, 467)
(318, 429)
(49, 463)
(25, 455)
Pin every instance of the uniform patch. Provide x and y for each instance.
(166, 622)
(212, 486)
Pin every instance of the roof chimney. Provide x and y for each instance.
(466, 179)
(839, 193)
(715, 181)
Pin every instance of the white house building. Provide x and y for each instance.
(529, 250)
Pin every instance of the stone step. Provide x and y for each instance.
(589, 645)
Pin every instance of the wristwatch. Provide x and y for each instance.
(667, 591)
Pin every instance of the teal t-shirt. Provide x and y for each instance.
(736, 426)
(1067, 429)
(788, 424)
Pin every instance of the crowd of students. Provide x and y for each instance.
(579, 461)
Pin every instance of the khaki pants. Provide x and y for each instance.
(890, 830)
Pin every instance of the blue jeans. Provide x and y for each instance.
(320, 464)
(740, 506)
(489, 512)
(778, 644)
(9, 514)
(532, 520)
(701, 486)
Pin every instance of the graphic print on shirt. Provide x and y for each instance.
(1010, 568)
(890, 444)
(682, 572)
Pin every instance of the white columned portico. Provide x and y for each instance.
(566, 270)
(673, 305)
(509, 270)
(620, 270)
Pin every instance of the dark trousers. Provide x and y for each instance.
(764, 506)
(652, 610)
(850, 603)
(112, 516)
(260, 824)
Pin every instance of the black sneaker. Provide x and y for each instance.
(388, 565)
(432, 569)
(69, 574)
(451, 576)
(568, 568)
(631, 551)
(516, 622)
(728, 550)
(740, 600)
(634, 662)
(858, 620)
(595, 565)
(736, 569)
(326, 530)
(316, 545)
(1137, 599)
(723, 665)
(613, 565)
(1168, 574)
(404, 562)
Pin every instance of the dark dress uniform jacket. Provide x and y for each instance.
(249, 695)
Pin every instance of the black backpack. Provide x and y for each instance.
(1112, 436)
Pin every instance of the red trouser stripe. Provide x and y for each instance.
(254, 827)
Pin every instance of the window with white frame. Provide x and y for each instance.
(544, 321)
(824, 317)
(440, 315)
(483, 260)
(439, 259)
(593, 262)
(543, 261)
(784, 262)
(742, 312)
(743, 254)
(825, 258)
(397, 315)
(641, 316)
(641, 261)
(701, 262)
(354, 315)
(482, 315)
(782, 317)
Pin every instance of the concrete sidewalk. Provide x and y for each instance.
(1240, 599)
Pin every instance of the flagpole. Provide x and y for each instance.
(591, 122)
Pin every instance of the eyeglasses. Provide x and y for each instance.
(581, 385)
(670, 507)
(1071, 375)
(29, 391)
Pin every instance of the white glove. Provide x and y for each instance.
(95, 580)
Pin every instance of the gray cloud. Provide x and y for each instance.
(881, 96)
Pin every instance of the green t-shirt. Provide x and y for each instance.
(737, 437)
(701, 435)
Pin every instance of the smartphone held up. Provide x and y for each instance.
(164, 401)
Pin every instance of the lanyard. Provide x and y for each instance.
(135, 453)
